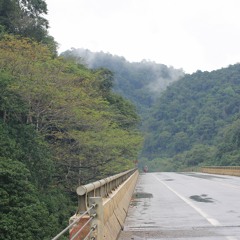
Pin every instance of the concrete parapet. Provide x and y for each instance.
(222, 170)
(116, 207)
(111, 211)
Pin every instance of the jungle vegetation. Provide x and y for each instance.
(188, 120)
(139, 82)
(61, 125)
(71, 119)
(196, 122)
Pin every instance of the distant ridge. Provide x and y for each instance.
(196, 121)
(140, 82)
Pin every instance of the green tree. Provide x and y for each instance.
(194, 111)
(25, 18)
(22, 214)
(228, 152)
(19, 16)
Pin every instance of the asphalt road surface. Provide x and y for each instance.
(179, 206)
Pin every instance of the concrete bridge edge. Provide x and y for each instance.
(115, 208)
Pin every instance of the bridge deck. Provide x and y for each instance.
(184, 206)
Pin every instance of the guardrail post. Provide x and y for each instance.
(99, 219)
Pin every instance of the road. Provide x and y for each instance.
(179, 206)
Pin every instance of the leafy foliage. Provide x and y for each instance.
(195, 121)
(139, 82)
(60, 126)
(23, 215)
(26, 18)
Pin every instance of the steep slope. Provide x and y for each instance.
(61, 125)
(188, 120)
(196, 121)
(139, 82)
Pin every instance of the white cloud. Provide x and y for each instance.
(199, 34)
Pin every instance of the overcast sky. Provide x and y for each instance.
(189, 34)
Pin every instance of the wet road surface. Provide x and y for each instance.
(178, 206)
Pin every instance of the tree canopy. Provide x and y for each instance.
(26, 18)
(140, 82)
(193, 118)
(61, 125)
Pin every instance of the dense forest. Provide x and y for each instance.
(187, 120)
(61, 125)
(196, 122)
(81, 116)
(140, 82)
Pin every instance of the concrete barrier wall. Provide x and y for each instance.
(115, 208)
(232, 171)
(111, 212)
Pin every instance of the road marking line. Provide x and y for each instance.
(211, 220)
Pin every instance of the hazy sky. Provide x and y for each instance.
(189, 34)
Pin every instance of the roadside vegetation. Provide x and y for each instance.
(66, 121)
(61, 125)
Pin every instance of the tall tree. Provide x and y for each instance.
(74, 109)
(26, 18)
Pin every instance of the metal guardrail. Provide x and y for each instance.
(81, 229)
(75, 222)
(101, 188)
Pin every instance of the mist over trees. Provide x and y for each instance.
(188, 120)
(140, 82)
(73, 119)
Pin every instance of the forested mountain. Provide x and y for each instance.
(188, 120)
(196, 122)
(61, 125)
(64, 120)
(140, 82)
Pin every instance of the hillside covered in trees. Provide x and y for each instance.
(196, 122)
(140, 82)
(64, 120)
(61, 125)
(187, 120)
